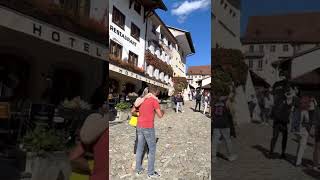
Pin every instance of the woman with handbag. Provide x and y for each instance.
(94, 136)
(134, 118)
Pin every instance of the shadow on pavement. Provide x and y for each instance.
(312, 173)
(220, 155)
(111, 123)
(297, 141)
(289, 158)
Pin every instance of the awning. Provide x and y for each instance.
(131, 74)
(25, 24)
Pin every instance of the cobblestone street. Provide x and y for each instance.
(252, 146)
(183, 148)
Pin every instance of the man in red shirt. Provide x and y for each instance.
(146, 132)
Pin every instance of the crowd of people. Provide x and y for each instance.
(289, 109)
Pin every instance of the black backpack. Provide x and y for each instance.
(198, 97)
(281, 112)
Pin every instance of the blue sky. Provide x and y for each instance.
(193, 16)
(269, 7)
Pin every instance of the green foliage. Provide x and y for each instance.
(42, 140)
(123, 106)
(179, 87)
(222, 82)
(232, 62)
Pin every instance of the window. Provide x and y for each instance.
(261, 48)
(285, 47)
(137, 7)
(221, 2)
(234, 14)
(230, 11)
(116, 49)
(133, 58)
(273, 48)
(135, 31)
(260, 65)
(118, 18)
(250, 64)
(251, 48)
(162, 36)
(154, 29)
(225, 6)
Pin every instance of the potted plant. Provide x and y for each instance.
(123, 109)
(45, 148)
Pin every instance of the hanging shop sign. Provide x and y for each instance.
(50, 33)
(122, 35)
(135, 76)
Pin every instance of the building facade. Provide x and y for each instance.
(183, 50)
(47, 56)
(198, 73)
(127, 27)
(225, 24)
(143, 50)
(269, 40)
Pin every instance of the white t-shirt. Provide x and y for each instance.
(268, 102)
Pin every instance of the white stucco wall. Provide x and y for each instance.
(98, 9)
(268, 72)
(130, 16)
(220, 35)
(170, 54)
(305, 64)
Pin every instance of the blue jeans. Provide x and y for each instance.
(146, 135)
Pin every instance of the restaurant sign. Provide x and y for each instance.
(50, 33)
(135, 76)
(122, 35)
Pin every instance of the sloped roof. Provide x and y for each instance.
(294, 27)
(197, 70)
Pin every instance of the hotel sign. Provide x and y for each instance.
(50, 33)
(123, 36)
(135, 76)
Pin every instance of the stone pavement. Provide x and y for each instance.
(183, 148)
(252, 146)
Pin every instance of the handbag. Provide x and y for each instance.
(79, 164)
(133, 121)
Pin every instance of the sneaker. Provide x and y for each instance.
(316, 168)
(233, 158)
(138, 173)
(154, 175)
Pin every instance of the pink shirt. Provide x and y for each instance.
(147, 112)
(101, 158)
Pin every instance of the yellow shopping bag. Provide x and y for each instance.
(133, 121)
(77, 176)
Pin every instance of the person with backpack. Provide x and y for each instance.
(222, 122)
(198, 100)
(281, 117)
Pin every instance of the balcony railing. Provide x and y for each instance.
(56, 15)
(158, 64)
(125, 64)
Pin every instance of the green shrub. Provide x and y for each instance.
(42, 140)
(123, 106)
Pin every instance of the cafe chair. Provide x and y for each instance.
(5, 129)
(4, 118)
